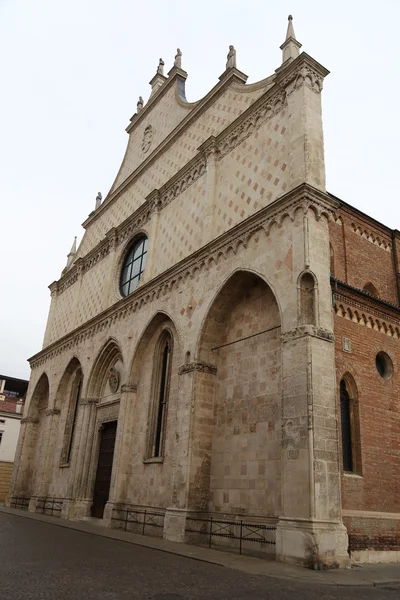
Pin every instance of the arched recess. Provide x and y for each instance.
(350, 430)
(110, 356)
(149, 443)
(33, 447)
(371, 289)
(240, 404)
(66, 411)
(307, 299)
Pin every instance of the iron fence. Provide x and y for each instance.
(139, 518)
(49, 506)
(21, 502)
(231, 530)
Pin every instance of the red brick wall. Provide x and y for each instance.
(377, 490)
(359, 260)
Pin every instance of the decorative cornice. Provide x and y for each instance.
(371, 237)
(126, 388)
(201, 367)
(308, 331)
(303, 70)
(85, 401)
(366, 316)
(26, 420)
(52, 411)
(304, 198)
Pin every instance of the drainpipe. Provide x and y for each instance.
(395, 264)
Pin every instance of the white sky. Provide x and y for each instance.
(71, 73)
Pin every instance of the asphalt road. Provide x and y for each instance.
(41, 560)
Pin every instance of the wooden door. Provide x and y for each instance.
(104, 468)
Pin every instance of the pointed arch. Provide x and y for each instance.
(350, 425)
(40, 397)
(230, 292)
(108, 357)
(67, 402)
(370, 289)
(159, 319)
(307, 298)
(154, 373)
(238, 395)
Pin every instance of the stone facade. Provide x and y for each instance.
(230, 192)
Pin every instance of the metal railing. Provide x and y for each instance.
(21, 502)
(139, 519)
(49, 506)
(231, 530)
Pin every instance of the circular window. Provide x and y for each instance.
(133, 267)
(384, 365)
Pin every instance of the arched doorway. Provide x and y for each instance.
(100, 421)
(241, 337)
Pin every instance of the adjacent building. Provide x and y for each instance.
(225, 340)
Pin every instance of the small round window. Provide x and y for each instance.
(384, 365)
(133, 267)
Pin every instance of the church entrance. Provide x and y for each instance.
(104, 468)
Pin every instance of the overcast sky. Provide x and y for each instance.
(72, 72)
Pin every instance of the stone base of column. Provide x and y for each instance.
(82, 509)
(107, 515)
(33, 503)
(313, 544)
(67, 509)
(175, 524)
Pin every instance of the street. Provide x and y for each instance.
(42, 560)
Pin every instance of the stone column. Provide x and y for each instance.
(191, 473)
(112, 259)
(154, 203)
(53, 287)
(47, 453)
(83, 463)
(302, 80)
(122, 458)
(310, 529)
(210, 150)
(22, 469)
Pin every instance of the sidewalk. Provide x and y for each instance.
(385, 575)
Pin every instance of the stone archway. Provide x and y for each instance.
(236, 445)
(27, 473)
(99, 406)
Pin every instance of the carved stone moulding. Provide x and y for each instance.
(201, 367)
(52, 411)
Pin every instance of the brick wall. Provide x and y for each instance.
(371, 496)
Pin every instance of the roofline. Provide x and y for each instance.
(363, 214)
(351, 288)
(8, 377)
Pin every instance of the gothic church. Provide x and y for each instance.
(215, 347)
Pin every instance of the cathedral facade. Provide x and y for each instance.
(204, 346)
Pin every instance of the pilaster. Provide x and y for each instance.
(84, 459)
(154, 202)
(121, 462)
(210, 150)
(302, 80)
(191, 473)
